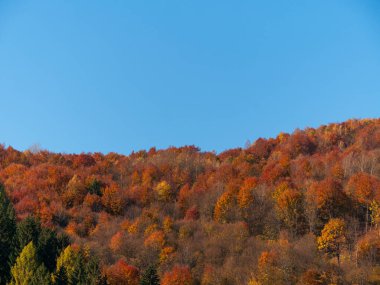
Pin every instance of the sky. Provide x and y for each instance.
(117, 76)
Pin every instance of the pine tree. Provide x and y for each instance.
(28, 230)
(150, 277)
(60, 277)
(48, 244)
(7, 233)
(93, 272)
(73, 267)
(27, 269)
(66, 263)
(49, 247)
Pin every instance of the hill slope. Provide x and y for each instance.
(298, 208)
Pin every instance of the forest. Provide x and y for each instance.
(300, 208)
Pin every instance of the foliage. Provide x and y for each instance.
(122, 273)
(27, 269)
(261, 214)
(7, 233)
(333, 237)
(180, 275)
(150, 277)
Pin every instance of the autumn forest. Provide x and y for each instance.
(300, 208)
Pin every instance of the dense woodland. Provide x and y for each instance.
(301, 208)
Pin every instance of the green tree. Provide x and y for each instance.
(67, 264)
(150, 277)
(49, 247)
(27, 270)
(48, 244)
(93, 272)
(60, 277)
(73, 267)
(7, 233)
(28, 230)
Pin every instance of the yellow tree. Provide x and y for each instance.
(245, 196)
(333, 238)
(290, 210)
(28, 270)
(223, 207)
(67, 262)
(164, 191)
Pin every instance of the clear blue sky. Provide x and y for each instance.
(127, 75)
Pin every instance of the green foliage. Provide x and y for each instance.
(28, 230)
(94, 187)
(73, 267)
(48, 244)
(93, 272)
(7, 233)
(27, 269)
(150, 277)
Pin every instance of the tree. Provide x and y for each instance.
(333, 238)
(122, 273)
(150, 277)
(116, 241)
(363, 187)
(164, 191)
(290, 210)
(313, 277)
(28, 230)
(223, 208)
(245, 196)
(7, 233)
(48, 244)
(156, 240)
(269, 269)
(71, 262)
(93, 272)
(75, 192)
(75, 266)
(112, 200)
(28, 270)
(180, 275)
(325, 200)
(49, 247)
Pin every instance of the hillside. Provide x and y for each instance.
(301, 208)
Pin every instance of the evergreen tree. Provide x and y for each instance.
(27, 269)
(93, 272)
(7, 233)
(75, 267)
(41, 276)
(28, 230)
(48, 244)
(150, 276)
(60, 277)
(49, 247)
(66, 264)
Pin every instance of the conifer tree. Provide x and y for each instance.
(150, 277)
(7, 233)
(73, 267)
(27, 269)
(66, 263)
(48, 244)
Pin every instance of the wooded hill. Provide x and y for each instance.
(301, 208)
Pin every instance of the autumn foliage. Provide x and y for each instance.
(300, 208)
